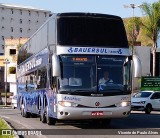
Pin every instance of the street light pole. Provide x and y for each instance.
(133, 6)
(6, 62)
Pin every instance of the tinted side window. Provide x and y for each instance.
(156, 96)
(42, 77)
(32, 81)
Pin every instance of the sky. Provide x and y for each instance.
(114, 7)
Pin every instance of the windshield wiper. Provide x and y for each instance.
(112, 89)
(83, 90)
(74, 92)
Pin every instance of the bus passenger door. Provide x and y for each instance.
(55, 91)
(56, 73)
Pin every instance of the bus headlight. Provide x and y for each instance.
(67, 104)
(123, 104)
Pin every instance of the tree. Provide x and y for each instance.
(151, 26)
(129, 24)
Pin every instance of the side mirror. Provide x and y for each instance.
(56, 66)
(128, 89)
(128, 59)
(137, 66)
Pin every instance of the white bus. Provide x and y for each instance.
(60, 66)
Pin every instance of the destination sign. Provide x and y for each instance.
(76, 59)
(80, 59)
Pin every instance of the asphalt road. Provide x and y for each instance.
(138, 123)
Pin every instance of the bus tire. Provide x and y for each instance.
(24, 113)
(32, 115)
(50, 120)
(43, 118)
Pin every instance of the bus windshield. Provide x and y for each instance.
(94, 31)
(84, 74)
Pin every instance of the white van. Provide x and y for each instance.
(146, 101)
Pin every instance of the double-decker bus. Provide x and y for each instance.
(60, 66)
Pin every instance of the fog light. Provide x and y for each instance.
(66, 113)
(61, 113)
(124, 113)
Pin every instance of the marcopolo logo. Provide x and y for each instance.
(90, 50)
(72, 98)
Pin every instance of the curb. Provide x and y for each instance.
(5, 107)
(15, 136)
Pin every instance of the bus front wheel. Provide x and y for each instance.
(50, 120)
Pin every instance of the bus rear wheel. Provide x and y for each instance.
(43, 118)
(32, 115)
(24, 113)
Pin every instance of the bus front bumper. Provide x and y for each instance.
(67, 113)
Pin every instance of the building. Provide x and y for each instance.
(16, 23)
(1, 72)
(157, 61)
(11, 54)
(144, 54)
(19, 22)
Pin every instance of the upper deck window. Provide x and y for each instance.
(91, 31)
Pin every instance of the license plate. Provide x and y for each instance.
(97, 113)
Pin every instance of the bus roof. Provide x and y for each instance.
(80, 14)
